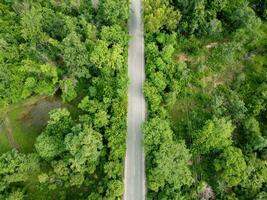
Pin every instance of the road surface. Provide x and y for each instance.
(134, 177)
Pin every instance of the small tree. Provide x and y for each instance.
(215, 135)
(230, 167)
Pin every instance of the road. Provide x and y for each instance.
(134, 177)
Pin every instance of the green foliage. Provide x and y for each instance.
(215, 135)
(49, 144)
(59, 123)
(171, 166)
(170, 161)
(157, 131)
(31, 25)
(53, 24)
(16, 168)
(230, 166)
(255, 177)
(115, 189)
(114, 35)
(75, 56)
(78, 146)
(260, 7)
(160, 14)
(206, 85)
(84, 145)
(46, 75)
(205, 65)
(30, 79)
(261, 196)
(101, 119)
(48, 147)
(17, 195)
(68, 90)
(113, 12)
(68, 49)
(154, 99)
(253, 134)
(107, 59)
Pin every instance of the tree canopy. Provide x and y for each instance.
(77, 55)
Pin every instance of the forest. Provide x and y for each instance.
(63, 99)
(206, 90)
(68, 58)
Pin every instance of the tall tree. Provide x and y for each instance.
(215, 135)
(17, 168)
(230, 167)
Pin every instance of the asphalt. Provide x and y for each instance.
(134, 177)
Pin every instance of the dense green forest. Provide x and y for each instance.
(77, 54)
(206, 89)
(63, 99)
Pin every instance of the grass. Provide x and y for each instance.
(190, 106)
(27, 120)
(4, 145)
(23, 132)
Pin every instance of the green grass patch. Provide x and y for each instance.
(28, 119)
(4, 144)
(24, 132)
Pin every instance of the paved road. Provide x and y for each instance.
(134, 179)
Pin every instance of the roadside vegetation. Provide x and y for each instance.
(63, 99)
(206, 89)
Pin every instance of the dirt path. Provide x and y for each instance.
(9, 134)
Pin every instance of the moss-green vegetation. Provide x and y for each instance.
(67, 55)
(4, 144)
(206, 87)
(28, 118)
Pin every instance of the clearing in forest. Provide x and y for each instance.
(22, 123)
